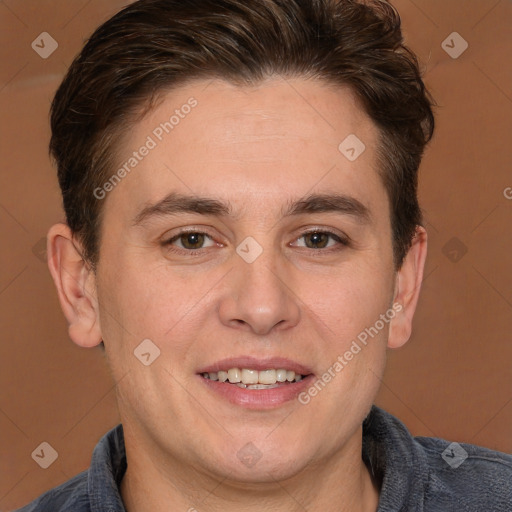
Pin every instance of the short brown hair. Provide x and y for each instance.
(153, 46)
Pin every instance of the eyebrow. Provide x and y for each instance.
(175, 203)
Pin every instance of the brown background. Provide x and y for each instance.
(452, 380)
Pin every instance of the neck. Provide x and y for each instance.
(341, 483)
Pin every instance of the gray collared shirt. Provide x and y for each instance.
(415, 474)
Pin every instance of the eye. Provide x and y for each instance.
(318, 239)
(190, 240)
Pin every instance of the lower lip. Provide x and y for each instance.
(258, 398)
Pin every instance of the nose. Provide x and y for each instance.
(259, 296)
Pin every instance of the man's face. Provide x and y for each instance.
(204, 298)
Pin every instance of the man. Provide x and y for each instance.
(243, 236)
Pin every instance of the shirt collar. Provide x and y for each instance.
(398, 462)
(107, 469)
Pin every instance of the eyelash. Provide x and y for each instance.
(342, 241)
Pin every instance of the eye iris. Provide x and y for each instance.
(189, 240)
(318, 240)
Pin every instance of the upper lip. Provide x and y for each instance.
(259, 364)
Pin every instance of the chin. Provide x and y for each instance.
(251, 465)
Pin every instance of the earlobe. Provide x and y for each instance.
(76, 286)
(407, 289)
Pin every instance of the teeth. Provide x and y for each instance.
(234, 375)
(253, 379)
(267, 377)
(258, 386)
(250, 376)
(280, 375)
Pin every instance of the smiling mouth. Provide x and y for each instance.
(247, 378)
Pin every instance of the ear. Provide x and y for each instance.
(407, 290)
(76, 286)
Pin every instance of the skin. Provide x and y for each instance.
(256, 148)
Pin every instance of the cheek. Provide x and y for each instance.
(350, 299)
(156, 304)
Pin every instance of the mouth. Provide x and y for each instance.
(248, 378)
(255, 383)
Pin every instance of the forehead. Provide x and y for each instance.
(272, 142)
